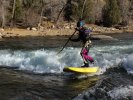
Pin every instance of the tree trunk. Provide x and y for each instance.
(83, 9)
(42, 9)
(13, 12)
(60, 13)
(3, 14)
(40, 20)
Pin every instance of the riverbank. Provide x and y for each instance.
(60, 31)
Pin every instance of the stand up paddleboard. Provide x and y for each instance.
(81, 70)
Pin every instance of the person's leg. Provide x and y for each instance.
(84, 56)
(87, 64)
(89, 58)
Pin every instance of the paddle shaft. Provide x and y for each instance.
(67, 42)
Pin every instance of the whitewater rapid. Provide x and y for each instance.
(48, 61)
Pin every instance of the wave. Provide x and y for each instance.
(121, 93)
(48, 61)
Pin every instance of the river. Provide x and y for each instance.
(31, 69)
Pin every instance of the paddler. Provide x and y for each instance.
(84, 37)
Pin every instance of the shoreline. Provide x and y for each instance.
(66, 31)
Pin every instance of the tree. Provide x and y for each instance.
(83, 8)
(13, 13)
(60, 12)
(124, 6)
(42, 10)
(31, 12)
(18, 10)
(111, 13)
(68, 10)
(89, 14)
(3, 11)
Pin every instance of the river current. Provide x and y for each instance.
(38, 58)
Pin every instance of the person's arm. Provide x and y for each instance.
(77, 39)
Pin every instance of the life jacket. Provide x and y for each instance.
(87, 32)
(84, 33)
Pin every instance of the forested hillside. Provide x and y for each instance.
(26, 13)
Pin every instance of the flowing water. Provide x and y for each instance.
(36, 56)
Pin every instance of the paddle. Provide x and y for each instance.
(67, 42)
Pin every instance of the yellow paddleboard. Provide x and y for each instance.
(84, 70)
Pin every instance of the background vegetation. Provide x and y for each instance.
(28, 13)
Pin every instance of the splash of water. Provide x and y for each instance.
(48, 61)
(121, 92)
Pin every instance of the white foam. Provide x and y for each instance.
(41, 61)
(127, 63)
(121, 93)
(48, 61)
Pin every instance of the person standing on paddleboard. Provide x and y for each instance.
(84, 37)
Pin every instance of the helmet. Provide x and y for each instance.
(80, 23)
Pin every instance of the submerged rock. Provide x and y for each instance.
(116, 85)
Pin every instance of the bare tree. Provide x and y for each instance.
(83, 8)
(13, 13)
(124, 6)
(2, 14)
(42, 10)
(3, 11)
(60, 12)
(13, 8)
